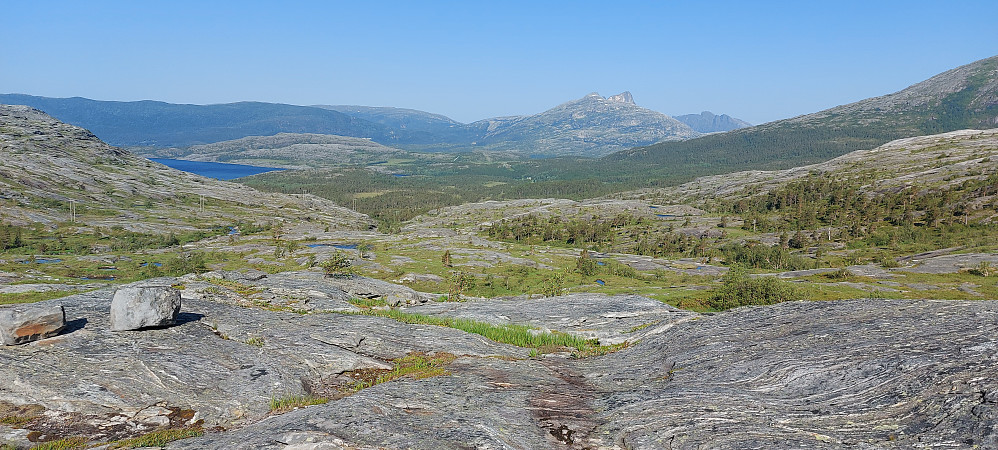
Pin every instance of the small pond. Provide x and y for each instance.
(339, 246)
(218, 171)
(42, 261)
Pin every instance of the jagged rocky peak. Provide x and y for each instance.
(623, 97)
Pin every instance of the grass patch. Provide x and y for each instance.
(640, 327)
(518, 335)
(600, 350)
(279, 308)
(237, 287)
(281, 405)
(415, 365)
(158, 438)
(367, 303)
(32, 297)
(63, 444)
(16, 416)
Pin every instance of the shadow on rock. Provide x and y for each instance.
(75, 325)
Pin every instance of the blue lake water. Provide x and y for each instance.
(43, 261)
(218, 171)
(339, 246)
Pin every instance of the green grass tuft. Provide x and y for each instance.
(63, 444)
(280, 405)
(414, 365)
(518, 335)
(158, 438)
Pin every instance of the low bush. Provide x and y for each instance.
(738, 289)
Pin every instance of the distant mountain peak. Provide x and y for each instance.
(623, 97)
(708, 122)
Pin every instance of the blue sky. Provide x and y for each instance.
(759, 61)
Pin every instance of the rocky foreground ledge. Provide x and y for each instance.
(859, 373)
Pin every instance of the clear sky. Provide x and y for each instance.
(758, 61)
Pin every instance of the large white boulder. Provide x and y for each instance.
(145, 306)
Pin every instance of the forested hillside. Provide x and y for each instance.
(962, 98)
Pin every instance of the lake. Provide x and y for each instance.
(218, 171)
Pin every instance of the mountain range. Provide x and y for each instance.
(708, 122)
(590, 126)
(962, 98)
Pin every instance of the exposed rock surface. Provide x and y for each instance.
(23, 324)
(951, 263)
(136, 307)
(221, 362)
(868, 373)
(863, 373)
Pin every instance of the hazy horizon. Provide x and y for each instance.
(474, 61)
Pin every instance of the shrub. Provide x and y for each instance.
(337, 264)
(841, 275)
(586, 265)
(738, 289)
(459, 283)
(984, 269)
(886, 261)
(553, 285)
(185, 263)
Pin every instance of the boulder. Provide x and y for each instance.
(24, 324)
(137, 307)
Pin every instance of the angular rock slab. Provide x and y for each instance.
(25, 324)
(137, 307)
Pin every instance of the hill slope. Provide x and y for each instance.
(421, 127)
(924, 162)
(289, 150)
(47, 166)
(965, 97)
(159, 124)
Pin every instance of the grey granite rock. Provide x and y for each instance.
(861, 373)
(23, 324)
(867, 374)
(136, 307)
